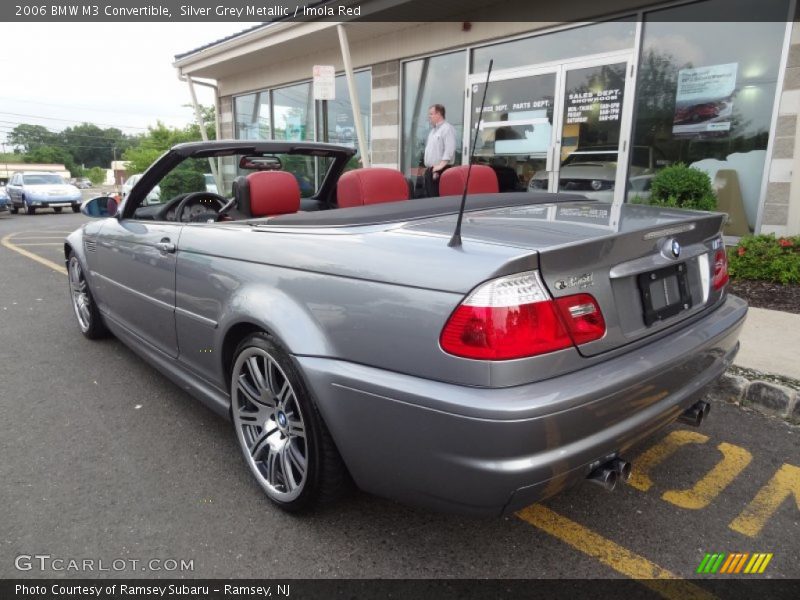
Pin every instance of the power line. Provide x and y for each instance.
(72, 121)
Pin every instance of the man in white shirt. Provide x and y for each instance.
(440, 148)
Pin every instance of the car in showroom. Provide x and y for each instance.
(353, 337)
(593, 172)
(30, 190)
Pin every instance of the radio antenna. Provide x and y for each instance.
(455, 241)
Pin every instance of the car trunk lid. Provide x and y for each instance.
(648, 268)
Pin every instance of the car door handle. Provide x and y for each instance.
(166, 247)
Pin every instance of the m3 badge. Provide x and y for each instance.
(578, 281)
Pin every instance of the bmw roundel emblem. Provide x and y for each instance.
(676, 248)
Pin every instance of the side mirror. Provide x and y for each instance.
(100, 207)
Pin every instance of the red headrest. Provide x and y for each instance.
(482, 180)
(273, 193)
(371, 186)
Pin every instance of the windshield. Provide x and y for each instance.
(42, 179)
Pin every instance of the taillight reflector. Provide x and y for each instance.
(720, 277)
(583, 318)
(514, 317)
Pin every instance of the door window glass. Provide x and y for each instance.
(516, 131)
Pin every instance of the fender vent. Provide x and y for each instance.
(90, 245)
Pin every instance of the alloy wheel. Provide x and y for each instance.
(269, 424)
(81, 300)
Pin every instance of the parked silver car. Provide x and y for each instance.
(355, 344)
(31, 190)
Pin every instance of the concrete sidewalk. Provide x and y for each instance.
(770, 343)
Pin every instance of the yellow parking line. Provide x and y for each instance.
(640, 479)
(619, 558)
(783, 485)
(734, 461)
(42, 244)
(6, 241)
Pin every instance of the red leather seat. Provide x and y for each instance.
(360, 187)
(267, 193)
(482, 180)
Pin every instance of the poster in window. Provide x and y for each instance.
(704, 100)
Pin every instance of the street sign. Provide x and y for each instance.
(324, 82)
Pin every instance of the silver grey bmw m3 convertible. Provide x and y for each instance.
(333, 320)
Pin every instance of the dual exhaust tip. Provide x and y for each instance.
(609, 473)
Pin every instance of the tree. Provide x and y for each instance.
(92, 146)
(148, 147)
(28, 137)
(53, 154)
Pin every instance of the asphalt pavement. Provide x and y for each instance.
(105, 459)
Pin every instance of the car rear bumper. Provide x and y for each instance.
(485, 451)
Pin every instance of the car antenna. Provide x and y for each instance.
(455, 241)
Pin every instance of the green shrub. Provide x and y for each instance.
(680, 186)
(766, 258)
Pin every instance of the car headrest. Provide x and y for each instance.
(482, 180)
(371, 186)
(241, 191)
(268, 193)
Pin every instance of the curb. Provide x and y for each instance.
(769, 394)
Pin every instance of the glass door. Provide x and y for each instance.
(562, 127)
(591, 154)
(517, 131)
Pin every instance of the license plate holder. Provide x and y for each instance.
(664, 292)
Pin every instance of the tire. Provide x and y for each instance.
(57, 209)
(76, 208)
(90, 322)
(14, 209)
(281, 434)
(28, 209)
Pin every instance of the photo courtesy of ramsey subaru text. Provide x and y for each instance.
(351, 341)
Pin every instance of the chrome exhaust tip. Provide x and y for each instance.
(622, 468)
(605, 477)
(695, 414)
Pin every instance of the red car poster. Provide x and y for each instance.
(704, 100)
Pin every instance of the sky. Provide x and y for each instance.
(110, 74)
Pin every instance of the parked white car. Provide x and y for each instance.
(154, 197)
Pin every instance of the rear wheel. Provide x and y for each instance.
(57, 209)
(282, 436)
(89, 320)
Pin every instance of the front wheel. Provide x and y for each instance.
(57, 209)
(282, 436)
(83, 304)
(76, 208)
(14, 209)
(28, 208)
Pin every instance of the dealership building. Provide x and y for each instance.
(597, 104)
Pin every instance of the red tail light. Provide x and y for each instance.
(720, 277)
(583, 318)
(514, 317)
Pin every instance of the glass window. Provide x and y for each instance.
(252, 118)
(705, 94)
(597, 38)
(427, 81)
(293, 111)
(341, 128)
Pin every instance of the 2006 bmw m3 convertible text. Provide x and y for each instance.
(323, 311)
